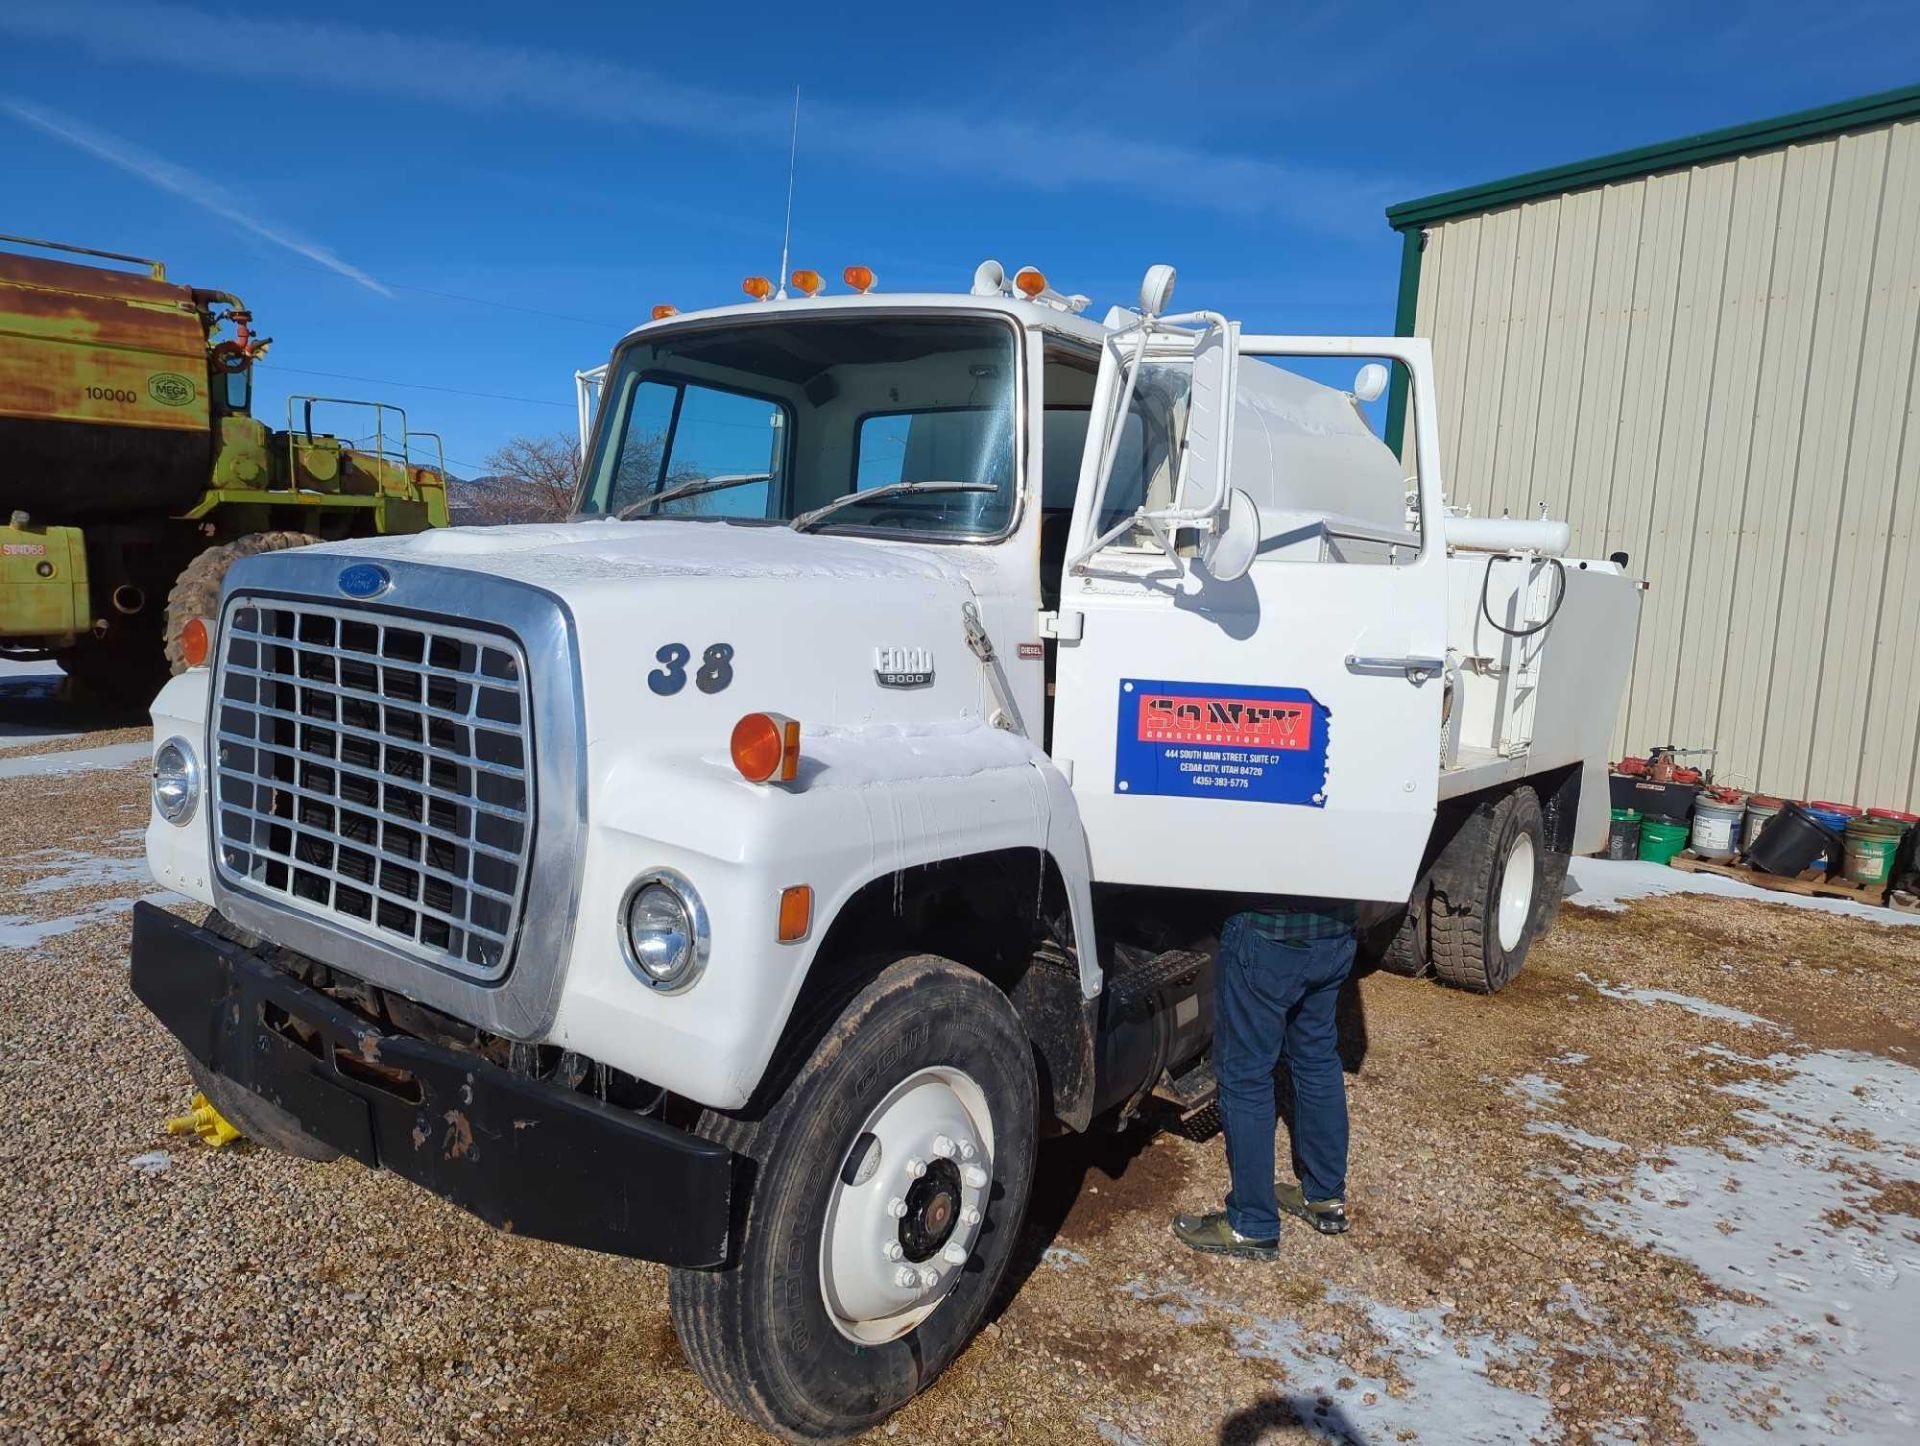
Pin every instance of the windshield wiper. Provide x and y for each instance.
(691, 489)
(892, 489)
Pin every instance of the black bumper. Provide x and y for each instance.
(524, 1155)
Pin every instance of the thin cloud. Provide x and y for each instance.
(479, 75)
(179, 181)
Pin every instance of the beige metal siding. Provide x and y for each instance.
(1714, 370)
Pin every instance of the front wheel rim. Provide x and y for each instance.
(1515, 899)
(907, 1205)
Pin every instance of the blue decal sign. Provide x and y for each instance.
(1215, 740)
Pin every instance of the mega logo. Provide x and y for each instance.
(1225, 722)
(170, 389)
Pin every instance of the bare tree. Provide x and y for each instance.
(533, 481)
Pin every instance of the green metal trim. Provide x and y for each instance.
(237, 496)
(1413, 244)
(1884, 108)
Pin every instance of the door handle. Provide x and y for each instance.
(1415, 668)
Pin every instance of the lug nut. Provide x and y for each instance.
(943, 1147)
(970, 1216)
(897, 1208)
(895, 1251)
(916, 1167)
(907, 1278)
(955, 1254)
(929, 1277)
(974, 1178)
(967, 1151)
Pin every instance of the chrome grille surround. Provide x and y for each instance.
(521, 1003)
(374, 769)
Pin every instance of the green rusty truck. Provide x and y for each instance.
(133, 471)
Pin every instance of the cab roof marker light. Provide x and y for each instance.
(758, 287)
(1030, 281)
(860, 278)
(807, 282)
(664, 310)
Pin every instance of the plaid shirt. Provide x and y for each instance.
(1302, 919)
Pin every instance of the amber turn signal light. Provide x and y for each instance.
(1030, 281)
(766, 748)
(758, 287)
(807, 283)
(860, 278)
(196, 642)
(796, 912)
(664, 310)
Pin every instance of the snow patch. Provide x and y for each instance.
(1445, 1376)
(154, 1162)
(1834, 1290)
(79, 760)
(1606, 883)
(1706, 1008)
(833, 757)
(85, 871)
(18, 931)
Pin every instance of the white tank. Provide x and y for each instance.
(1300, 447)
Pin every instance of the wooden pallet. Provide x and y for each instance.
(1811, 883)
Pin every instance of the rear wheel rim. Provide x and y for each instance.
(1514, 901)
(907, 1205)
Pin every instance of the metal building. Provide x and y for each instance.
(1703, 354)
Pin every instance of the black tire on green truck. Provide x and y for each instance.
(889, 1179)
(196, 593)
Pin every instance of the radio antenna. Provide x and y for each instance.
(786, 236)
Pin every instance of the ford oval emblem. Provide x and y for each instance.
(364, 580)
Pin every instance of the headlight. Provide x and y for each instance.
(176, 781)
(663, 930)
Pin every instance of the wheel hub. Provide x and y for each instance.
(933, 1209)
(907, 1206)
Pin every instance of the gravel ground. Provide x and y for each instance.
(1584, 1211)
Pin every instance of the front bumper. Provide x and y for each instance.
(524, 1155)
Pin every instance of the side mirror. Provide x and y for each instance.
(1228, 551)
(1209, 435)
(1156, 290)
(1370, 382)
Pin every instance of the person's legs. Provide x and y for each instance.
(1253, 990)
(1313, 1059)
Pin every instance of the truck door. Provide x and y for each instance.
(1281, 731)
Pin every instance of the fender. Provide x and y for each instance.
(868, 802)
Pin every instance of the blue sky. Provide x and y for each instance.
(481, 197)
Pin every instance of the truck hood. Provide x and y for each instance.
(830, 630)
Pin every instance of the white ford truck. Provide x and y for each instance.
(748, 873)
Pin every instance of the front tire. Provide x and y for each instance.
(903, 1145)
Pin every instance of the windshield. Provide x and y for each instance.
(764, 421)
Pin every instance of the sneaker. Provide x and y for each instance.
(1212, 1235)
(1329, 1217)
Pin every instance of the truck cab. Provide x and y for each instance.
(748, 873)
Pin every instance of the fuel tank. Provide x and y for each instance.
(104, 408)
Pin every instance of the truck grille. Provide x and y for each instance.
(375, 770)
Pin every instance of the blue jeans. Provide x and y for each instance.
(1278, 996)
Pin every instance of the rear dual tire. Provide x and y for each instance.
(811, 1330)
(1493, 888)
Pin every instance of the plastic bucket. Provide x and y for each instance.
(1793, 841)
(1623, 833)
(1906, 821)
(1661, 839)
(1835, 816)
(1761, 809)
(1871, 845)
(1716, 825)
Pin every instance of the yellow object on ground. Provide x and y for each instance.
(204, 1120)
